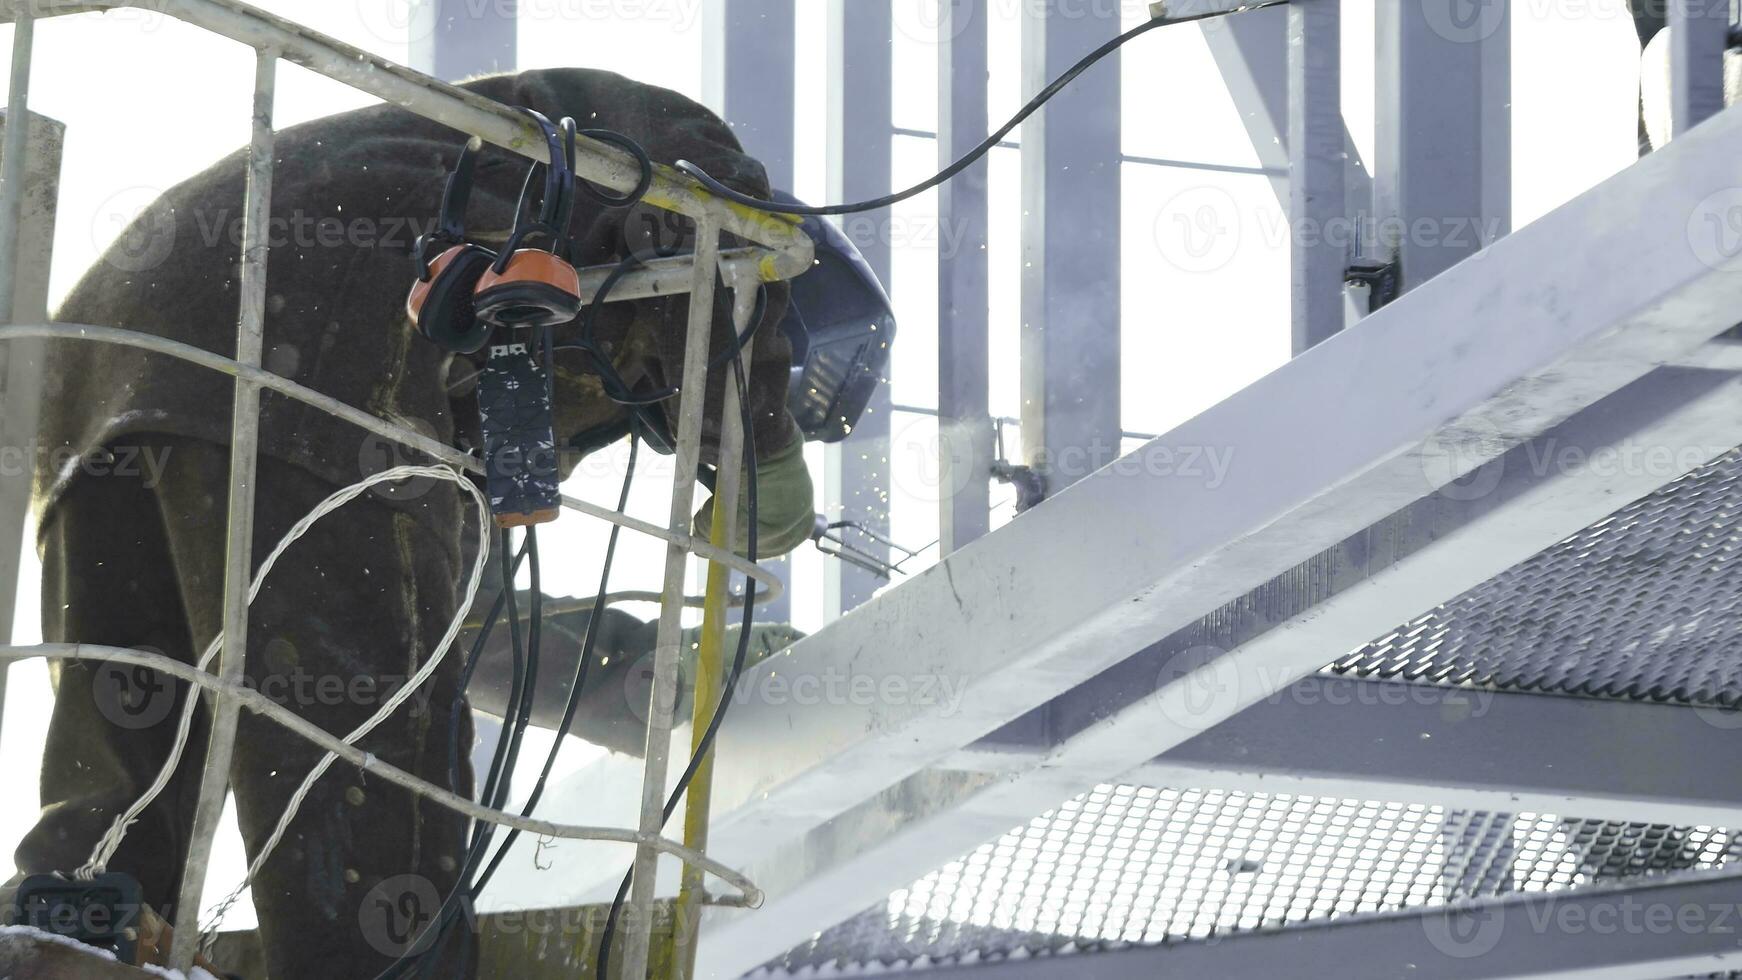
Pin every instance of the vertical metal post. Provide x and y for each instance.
(861, 130)
(29, 164)
(964, 284)
(1070, 245)
(239, 543)
(748, 79)
(454, 39)
(16, 154)
(1317, 213)
(1251, 51)
(1698, 35)
(711, 659)
(1441, 183)
(21, 359)
(663, 703)
(1495, 97)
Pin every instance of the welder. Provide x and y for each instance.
(139, 561)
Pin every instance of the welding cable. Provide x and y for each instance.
(572, 704)
(524, 679)
(642, 160)
(1058, 84)
(706, 744)
(111, 841)
(461, 901)
(614, 386)
(457, 707)
(425, 951)
(497, 784)
(516, 720)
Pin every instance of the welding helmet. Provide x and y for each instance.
(840, 325)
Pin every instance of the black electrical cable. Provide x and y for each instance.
(588, 643)
(420, 958)
(977, 152)
(506, 757)
(706, 745)
(519, 713)
(635, 149)
(472, 660)
(516, 719)
(615, 388)
(523, 718)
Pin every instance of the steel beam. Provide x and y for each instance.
(1251, 52)
(1487, 355)
(1316, 205)
(1442, 133)
(1249, 654)
(456, 39)
(1455, 373)
(861, 159)
(1491, 751)
(965, 436)
(1070, 245)
(748, 78)
(1651, 930)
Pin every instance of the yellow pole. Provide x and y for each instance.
(710, 679)
(680, 964)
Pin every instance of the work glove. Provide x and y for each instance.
(786, 507)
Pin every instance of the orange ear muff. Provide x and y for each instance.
(534, 289)
(440, 303)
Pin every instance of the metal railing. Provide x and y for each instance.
(779, 250)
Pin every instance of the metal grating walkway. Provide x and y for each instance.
(1138, 865)
(1645, 605)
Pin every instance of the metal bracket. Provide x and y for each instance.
(1380, 278)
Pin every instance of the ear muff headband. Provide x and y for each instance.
(526, 287)
(553, 210)
(451, 224)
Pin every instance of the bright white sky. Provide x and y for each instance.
(148, 101)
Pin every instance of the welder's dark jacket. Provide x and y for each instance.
(349, 195)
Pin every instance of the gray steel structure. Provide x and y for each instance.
(456, 39)
(965, 433)
(1071, 218)
(860, 87)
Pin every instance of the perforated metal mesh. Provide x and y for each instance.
(1644, 604)
(1136, 865)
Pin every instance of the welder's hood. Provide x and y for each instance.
(840, 324)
